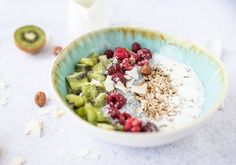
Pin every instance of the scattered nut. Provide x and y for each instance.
(40, 99)
(57, 50)
(146, 70)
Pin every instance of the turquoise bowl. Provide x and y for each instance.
(208, 68)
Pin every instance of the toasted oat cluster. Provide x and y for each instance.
(159, 88)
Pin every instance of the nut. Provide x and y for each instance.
(40, 98)
(146, 70)
(57, 50)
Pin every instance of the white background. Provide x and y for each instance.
(200, 20)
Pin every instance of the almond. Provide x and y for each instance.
(146, 70)
(57, 50)
(40, 98)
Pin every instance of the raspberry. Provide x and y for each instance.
(114, 113)
(132, 125)
(126, 64)
(115, 68)
(136, 47)
(149, 127)
(123, 117)
(143, 55)
(121, 53)
(143, 62)
(116, 100)
(118, 77)
(109, 53)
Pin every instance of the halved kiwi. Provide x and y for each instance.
(30, 39)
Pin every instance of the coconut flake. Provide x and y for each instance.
(83, 153)
(86, 154)
(3, 84)
(54, 111)
(58, 114)
(96, 82)
(3, 100)
(34, 126)
(18, 161)
(108, 84)
(139, 89)
(133, 73)
(119, 85)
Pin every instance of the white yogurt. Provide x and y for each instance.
(190, 94)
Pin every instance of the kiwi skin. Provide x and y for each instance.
(29, 49)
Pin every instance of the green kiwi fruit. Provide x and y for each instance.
(30, 39)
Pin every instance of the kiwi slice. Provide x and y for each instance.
(77, 101)
(105, 126)
(99, 68)
(96, 75)
(87, 61)
(100, 100)
(76, 84)
(100, 117)
(103, 59)
(90, 113)
(81, 112)
(81, 67)
(30, 39)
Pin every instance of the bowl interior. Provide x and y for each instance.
(209, 70)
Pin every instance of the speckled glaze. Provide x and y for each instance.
(208, 68)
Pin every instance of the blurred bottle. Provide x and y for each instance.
(86, 15)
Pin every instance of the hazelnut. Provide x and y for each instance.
(146, 70)
(57, 50)
(40, 98)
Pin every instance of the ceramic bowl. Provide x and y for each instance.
(208, 68)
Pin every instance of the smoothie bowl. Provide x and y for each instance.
(138, 87)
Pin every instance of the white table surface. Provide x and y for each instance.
(200, 20)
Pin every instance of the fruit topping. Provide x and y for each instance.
(123, 117)
(109, 53)
(133, 125)
(115, 68)
(143, 56)
(75, 100)
(127, 64)
(149, 127)
(116, 100)
(118, 77)
(121, 53)
(114, 112)
(136, 47)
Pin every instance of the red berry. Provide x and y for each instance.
(121, 53)
(143, 56)
(123, 117)
(118, 77)
(133, 125)
(136, 47)
(109, 53)
(126, 64)
(115, 68)
(149, 127)
(116, 100)
(143, 62)
(135, 129)
(114, 113)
